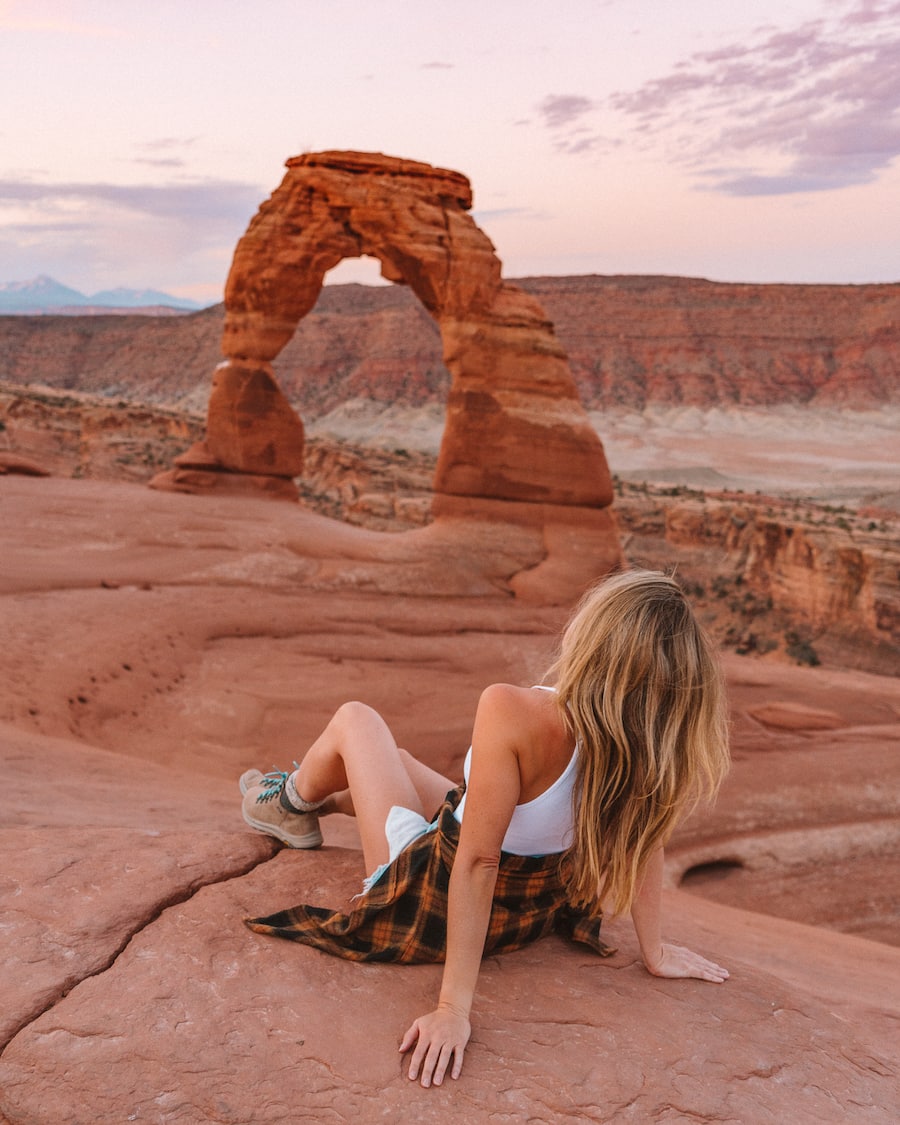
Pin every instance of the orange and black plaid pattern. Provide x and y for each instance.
(403, 918)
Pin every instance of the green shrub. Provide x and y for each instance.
(800, 650)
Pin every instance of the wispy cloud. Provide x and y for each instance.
(206, 201)
(567, 117)
(563, 110)
(160, 161)
(165, 152)
(498, 214)
(809, 108)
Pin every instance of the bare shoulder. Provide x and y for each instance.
(528, 713)
(528, 723)
(508, 697)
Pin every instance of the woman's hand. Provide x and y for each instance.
(439, 1037)
(676, 961)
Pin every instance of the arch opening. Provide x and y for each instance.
(373, 425)
(364, 270)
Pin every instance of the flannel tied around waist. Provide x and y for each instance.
(403, 918)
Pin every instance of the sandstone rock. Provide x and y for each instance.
(10, 463)
(226, 483)
(637, 341)
(250, 426)
(794, 716)
(515, 429)
(74, 434)
(813, 808)
(576, 544)
(75, 895)
(198, 471)
(226, 632)
(199, 457)
(197, 1014)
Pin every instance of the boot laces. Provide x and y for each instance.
(272, 785)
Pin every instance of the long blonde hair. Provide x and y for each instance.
(640, 689)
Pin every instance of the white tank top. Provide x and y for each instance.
(543, 826)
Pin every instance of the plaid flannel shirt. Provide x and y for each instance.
(403, 917)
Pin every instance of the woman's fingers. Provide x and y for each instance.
(412, 1033)
(676, 961)
(436, 1043)
(715, 972)
(440, 1060)
(429, 1062)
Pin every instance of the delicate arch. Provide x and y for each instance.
(515, 427)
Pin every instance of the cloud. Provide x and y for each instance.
(102, 234)
(160, 161)
(167, 143)
(565, 116)
(498, 213)
(809, 108)
(559, 110)
(164, 152)
(204, 201)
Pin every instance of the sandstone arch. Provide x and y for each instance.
(515, 428)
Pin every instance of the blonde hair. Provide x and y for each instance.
(640, 689)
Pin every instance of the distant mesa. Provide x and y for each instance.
(44, 294)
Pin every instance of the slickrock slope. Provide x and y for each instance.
(155, 645)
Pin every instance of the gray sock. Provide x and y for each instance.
(293, 802)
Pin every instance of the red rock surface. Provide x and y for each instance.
(834, 574)
(176, 640)
(12, 463)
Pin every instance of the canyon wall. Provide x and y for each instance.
(636, 341)
(810, 582)
(631, 342)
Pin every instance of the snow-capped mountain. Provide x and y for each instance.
(44, 294)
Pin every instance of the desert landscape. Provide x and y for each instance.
(159, 641)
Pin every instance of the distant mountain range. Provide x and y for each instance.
(45, 294)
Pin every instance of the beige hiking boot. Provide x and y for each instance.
(266, 809)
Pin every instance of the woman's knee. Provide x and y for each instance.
(354, 717)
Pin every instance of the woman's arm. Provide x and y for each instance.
(439, 1039)
(661, 958)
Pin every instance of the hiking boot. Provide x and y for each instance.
(248, 778)
(266, 811)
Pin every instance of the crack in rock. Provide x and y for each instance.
(175, 899)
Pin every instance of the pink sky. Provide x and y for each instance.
(735, 141)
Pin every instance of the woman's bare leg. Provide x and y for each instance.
(431, 786)
(357, 751)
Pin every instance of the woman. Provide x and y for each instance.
(570, 794)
